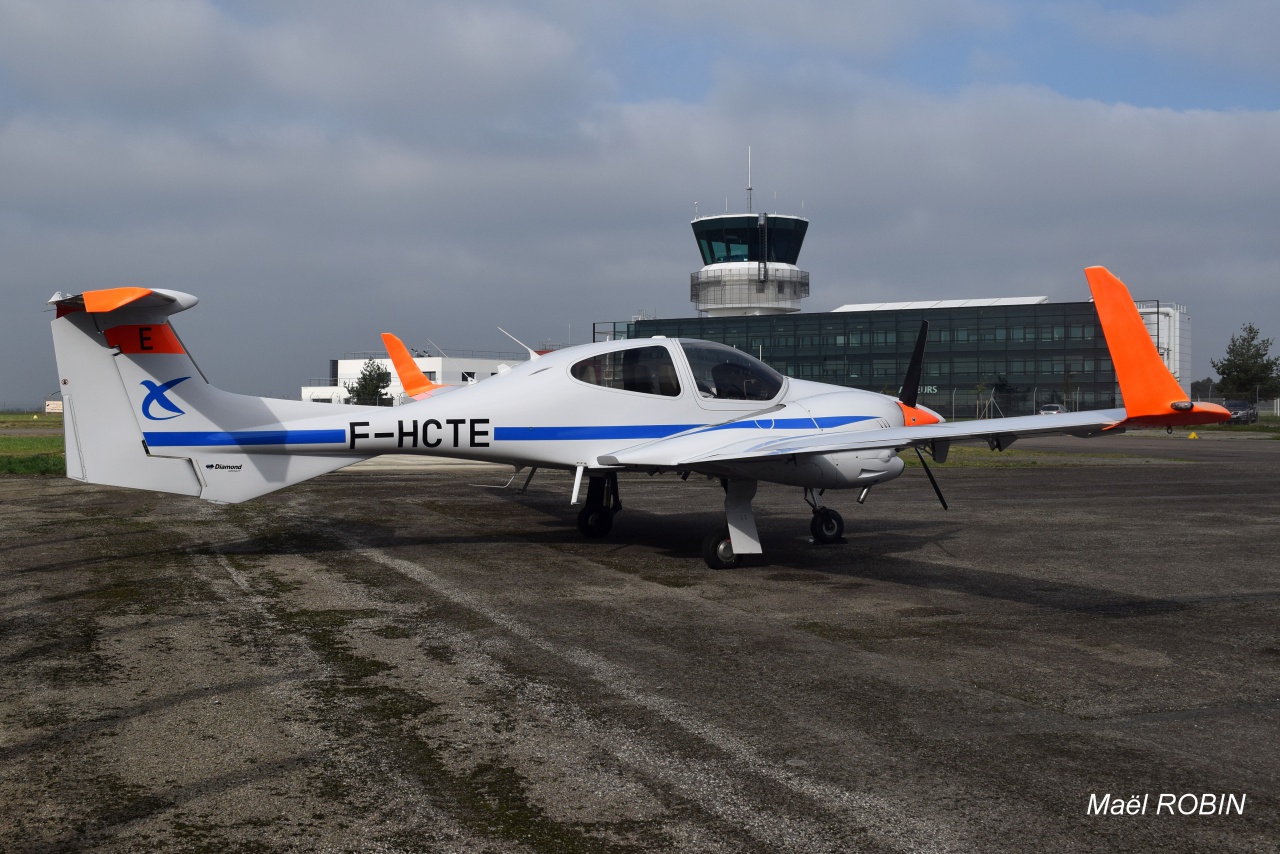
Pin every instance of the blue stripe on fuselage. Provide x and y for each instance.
(243, 438)
(560, 434)
(253, 438)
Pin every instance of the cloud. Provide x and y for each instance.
(407, 67)
(268, 169)
(869, 30)
(120, 54)
(1240, 33)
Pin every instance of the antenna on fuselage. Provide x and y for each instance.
(533, 354)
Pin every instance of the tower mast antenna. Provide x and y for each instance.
(749, 210)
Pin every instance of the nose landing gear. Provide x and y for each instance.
(827, 526)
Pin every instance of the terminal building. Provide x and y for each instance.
(986, 357)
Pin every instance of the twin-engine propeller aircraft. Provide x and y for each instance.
(139, 413)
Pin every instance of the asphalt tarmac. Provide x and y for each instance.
(408, 658)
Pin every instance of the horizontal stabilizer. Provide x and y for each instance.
(155, 303)
(232, 478)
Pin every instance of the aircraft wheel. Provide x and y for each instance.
(595, 521)
(827, 526)
(717, 549)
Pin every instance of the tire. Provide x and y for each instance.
(717, 549)
(595, 522)
(827, 526)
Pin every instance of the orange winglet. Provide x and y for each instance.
(415, 382)
(97, 302)
(1152, 397)
(914, 417)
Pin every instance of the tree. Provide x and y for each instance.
(1202, 388)
(368, 388)
(1248, 369)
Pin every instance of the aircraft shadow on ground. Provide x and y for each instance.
(873, 551)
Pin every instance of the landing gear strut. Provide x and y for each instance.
(827, 526)
(596, 517)
(725, 545)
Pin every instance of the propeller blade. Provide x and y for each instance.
(937, 491)
(911, 385)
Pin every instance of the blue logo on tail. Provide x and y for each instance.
(156, 395)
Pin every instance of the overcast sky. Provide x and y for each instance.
(319, 172)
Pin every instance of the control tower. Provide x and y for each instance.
(749, 264)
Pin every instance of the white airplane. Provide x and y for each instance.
(139, 414)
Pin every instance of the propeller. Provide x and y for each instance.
(911, 391)
(936, 489)
(911, 384)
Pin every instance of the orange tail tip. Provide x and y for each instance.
(98, 302)
(112, 298)
(414, 381)
(1152, 397)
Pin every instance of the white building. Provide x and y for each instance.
(1169, 326)
(463, 369)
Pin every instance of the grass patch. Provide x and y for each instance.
(32, 455)
(1269, 426)
(44, 464)
(976, 456)
(31, 419)
(21, 445)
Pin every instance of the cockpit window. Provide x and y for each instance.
(724, 373)
(648, 370)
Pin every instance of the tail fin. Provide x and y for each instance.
(412, 379)
(139, 413)
(1152, 397)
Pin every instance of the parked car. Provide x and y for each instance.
(1242, 411)
(1052, 409)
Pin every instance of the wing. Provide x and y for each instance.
(689, 450)
(1151, 394)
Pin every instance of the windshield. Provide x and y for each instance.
(724, 373)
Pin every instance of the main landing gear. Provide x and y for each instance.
(717, 549)
(596, 517)
(827, 526)
(725, 545)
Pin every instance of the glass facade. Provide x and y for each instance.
(750, 237)
(980, 362)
